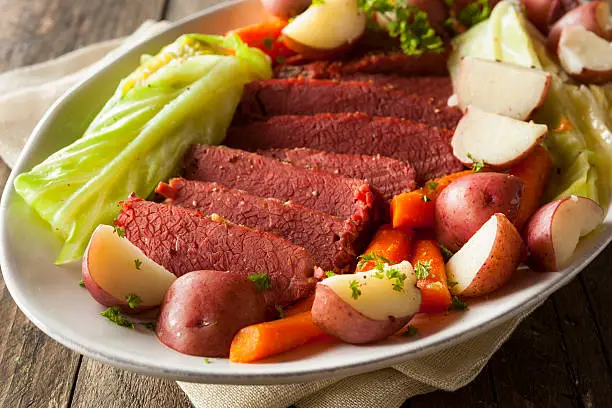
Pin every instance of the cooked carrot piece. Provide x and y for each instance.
(302, 305)
(268, 339)
(266, 37)
(534, 170)
(393, 244)
(417, 209)
(427, 260)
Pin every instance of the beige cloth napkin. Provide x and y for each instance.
(26, 93)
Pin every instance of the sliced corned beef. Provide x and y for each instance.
(334, 243)
(426, 148)
(388, 176)
(267, 177)
(276, 97)
(395, 63)
(184, 240)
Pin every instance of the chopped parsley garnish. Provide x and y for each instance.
(410, 331)
(447, 253)
(119, 231)
(137, 263)
(315, 2)
(370, 257)
(473, 13)
(452, 284)
(82, 283)
(394, 274)
(114, 315)
(268, 43)
(149, 325)
(426, 199)
(206, 360)
(354, 285)
(407, 23)
(422, 268)
(432, 185)
(133, 300)
(458, 304)
(261, 280)
(476, 165)
(281, 312)
(329, 274)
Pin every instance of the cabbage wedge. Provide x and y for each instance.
(185, 94)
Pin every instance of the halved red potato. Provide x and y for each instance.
(593, 16)
(544, 13)
(496, 140)
(553, 232)
(203, 310)
(488, 260)
(362, 308)
(325, 29)
(285, 9)
(585, 56)
(113, 268)
(481, 82)
(467, 203)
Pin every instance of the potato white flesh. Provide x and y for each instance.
(487, 260)
(117, 268)
(328, 25)
(378, 299)
(584, 55)
(497, 140)
(496, 87)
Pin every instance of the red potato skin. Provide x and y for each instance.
(285, 9)
(312, 53)
(538, 236)
(586, 16)
(510, 249)
(544, 13)
(334, 317)
(201, 313)
(465, 205)
(589, 76)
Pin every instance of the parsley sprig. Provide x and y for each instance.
(422, 269)
(458, 304)
(371, 257)
(261, 280)
(133, 300)
(355, 291)
(407, 23)
(114, 315)
(473, 13)
(477, 165)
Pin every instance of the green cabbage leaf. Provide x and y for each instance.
(185, 94)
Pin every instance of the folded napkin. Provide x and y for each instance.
(28, 92)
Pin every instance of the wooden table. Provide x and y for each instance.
(560, 356)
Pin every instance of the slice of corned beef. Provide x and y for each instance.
(426, 148)
(388, 176)
(277, 97)
(334, 243)
(395, 63)
(184, 240)
(267, 177)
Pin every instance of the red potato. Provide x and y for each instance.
(553, 232)
(203, 310)
(585, 56)
(285, 9)
(544, 13)
(488, 260)
(361, 308)
(480, 82)
(114, 268)
(496, 140)
(593, 16)
(325, 29)
(466, 204)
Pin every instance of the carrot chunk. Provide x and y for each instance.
(268, 339)
(393, 244)
(302, 305)
(417, 209)
(534, 170)
(427, 260)
(266, 37)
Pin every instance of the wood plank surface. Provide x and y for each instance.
(558, 357)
